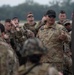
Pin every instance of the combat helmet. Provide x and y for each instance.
(33, 46)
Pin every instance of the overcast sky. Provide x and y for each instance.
(16, 2)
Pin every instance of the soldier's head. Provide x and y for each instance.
(62, 15)
(33, 49)
(7, 24)
(50, 16)
(67, 25)
(30, 17)
(16, 21)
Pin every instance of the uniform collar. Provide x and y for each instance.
(31, 24)
(49, 26)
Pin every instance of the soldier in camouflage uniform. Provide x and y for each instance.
(8, 30)
(67, 25)
(68, 54)
(53, 36)
(30, 23)
(19, 36)
(62, 17)
(8, 59)
(33, 50)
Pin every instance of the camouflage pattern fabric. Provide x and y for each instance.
(8, 60)
(49, 36)
(40, 69)
(30, 27)
(33, 46)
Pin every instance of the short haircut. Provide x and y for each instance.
(15, 18)
(8, 20)
(51, 12)
(2, 28)
(29, 13)
(62, 12)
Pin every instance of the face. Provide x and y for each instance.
(16, 21)
(7, 26)
(50, 19)
(62, 17)
(68, 27)
(30, 18)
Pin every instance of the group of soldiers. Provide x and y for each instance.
(36, 48)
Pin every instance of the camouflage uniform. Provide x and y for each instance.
(8, 60)
(49, 36)
(30, 47)
(19, 36)
(67, 48)
(30, 27)
(67, 64)
(58, 22)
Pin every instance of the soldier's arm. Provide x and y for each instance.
(30, 33)
(24, 26)
(64, 36)
(3, 64)
(8, 61)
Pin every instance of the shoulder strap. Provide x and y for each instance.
(30, 69)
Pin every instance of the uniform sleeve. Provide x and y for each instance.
(3, 63)
(68, 37)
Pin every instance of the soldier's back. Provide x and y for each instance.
(8, 60)
(34, 69)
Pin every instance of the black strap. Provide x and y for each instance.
(30, 69)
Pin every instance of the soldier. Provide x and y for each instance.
(62, 17)
(53, 36)
(33, 50)
(16, 21)
(67, 48)
(30, 23)
(68, 25)
(8, 59)
(8, 30)
(19, 36)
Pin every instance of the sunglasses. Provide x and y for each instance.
(30, 16)
(51, 16)
(67, 24)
